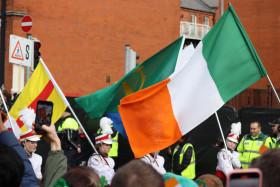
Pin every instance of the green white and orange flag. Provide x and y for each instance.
(223, 64)
(40, 86)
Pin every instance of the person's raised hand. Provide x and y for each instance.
(50, 136)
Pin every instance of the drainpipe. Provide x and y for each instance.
(222, 7)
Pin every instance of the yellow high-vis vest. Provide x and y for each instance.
(276, 144)
(69, 123)
(189, 172)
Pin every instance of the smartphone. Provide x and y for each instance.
(251, 177)
(44, 113)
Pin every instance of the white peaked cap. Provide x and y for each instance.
(104, 138)
(27, 135)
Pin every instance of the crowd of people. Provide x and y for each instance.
(21, 166)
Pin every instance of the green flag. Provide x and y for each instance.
(155, 69)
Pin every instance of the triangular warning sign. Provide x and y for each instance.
(17, 53)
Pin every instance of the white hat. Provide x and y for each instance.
(235, 131)
(233, 137)
(27, 135)
(104, 138)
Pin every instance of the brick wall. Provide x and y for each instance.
(84, 41)
(255, 98)
(261, 21)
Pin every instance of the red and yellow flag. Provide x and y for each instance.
(40, 86)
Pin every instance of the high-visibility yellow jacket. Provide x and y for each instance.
(189, 171)
(276, 144)
(249, 147)
(68, 133)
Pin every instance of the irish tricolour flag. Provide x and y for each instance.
(223, 64)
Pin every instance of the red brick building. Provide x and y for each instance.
(83, 42)
(197, 18)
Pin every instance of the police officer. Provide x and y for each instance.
(251, 143)
(69, 136)
(183, 159)
(276, 132)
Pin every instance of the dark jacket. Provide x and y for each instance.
(29, 179)
(68, 133)
(177, 167)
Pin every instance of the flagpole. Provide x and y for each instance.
(9, 117)
(273, 88)
(90, 142)
(66, 101)
(219, 124)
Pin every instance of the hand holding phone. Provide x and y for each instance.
(251, 177)
(44, 112)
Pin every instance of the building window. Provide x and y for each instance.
(206, 21)
(193, 19)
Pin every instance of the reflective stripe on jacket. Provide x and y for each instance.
(188, 172)
(249, 148)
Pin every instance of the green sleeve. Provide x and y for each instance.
(56, 167)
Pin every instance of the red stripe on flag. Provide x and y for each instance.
(44, 95)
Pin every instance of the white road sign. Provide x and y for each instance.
(21, 50)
